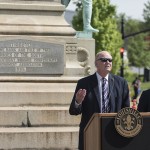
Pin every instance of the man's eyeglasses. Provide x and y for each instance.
(105, 59)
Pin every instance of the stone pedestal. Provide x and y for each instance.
(41, 61)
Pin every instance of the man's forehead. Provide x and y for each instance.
(105, 55)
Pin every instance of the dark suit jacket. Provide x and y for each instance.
(118, 96)
(144, 102)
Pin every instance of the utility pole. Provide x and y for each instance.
(122, 50)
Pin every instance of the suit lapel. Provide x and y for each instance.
(111, 93)
(96, 89)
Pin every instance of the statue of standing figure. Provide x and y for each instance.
(87, 14)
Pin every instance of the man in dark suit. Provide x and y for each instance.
(144, 101)
(89, 95)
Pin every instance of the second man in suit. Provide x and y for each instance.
(101, 92)
(144, 101)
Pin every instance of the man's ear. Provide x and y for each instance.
(95, 64)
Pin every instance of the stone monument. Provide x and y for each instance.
(41, 60)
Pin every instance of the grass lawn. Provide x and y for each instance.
(144, 86)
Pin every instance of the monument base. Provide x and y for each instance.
(84, 34)
(34, 113)
(40, 64)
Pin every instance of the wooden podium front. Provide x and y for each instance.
(100, 134)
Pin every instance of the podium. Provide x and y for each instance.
(100, 134)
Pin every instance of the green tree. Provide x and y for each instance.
(108, 37)
(146, 14)
(146, 24)
(137, 53)
(135, 45)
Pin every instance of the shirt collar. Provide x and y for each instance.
(99, 77)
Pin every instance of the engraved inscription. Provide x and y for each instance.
(31, 57)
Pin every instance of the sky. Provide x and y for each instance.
(132, 8)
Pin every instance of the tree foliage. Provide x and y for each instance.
(146, 14)
(137, 54)
(146, 24)
(108, 38)
(136, 45)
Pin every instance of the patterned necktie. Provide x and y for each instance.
(105, 99)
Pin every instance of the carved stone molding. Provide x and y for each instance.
(83, 58)
(71, 48)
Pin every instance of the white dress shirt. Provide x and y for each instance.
(99, 78)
